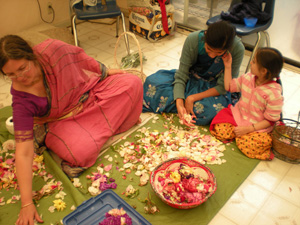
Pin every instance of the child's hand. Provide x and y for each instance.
(242, 130)
(227, 59)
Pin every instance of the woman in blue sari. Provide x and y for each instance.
(197, 87)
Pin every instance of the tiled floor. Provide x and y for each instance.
(271, 194)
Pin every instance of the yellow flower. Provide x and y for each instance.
(59, 204)
(39, 159)
(175, 176)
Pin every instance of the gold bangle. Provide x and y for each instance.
(26, 205)
(253, 127)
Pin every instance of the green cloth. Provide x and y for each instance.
(229, 176)
(189, 56)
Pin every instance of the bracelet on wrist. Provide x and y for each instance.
(26, 205)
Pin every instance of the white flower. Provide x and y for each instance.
(76, 182)
(9, 145)
(94, 191)
(51, 209)
(60, 195)
(127, 165)
(144, 179)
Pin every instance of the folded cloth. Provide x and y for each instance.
(85, 2)
(247, 8)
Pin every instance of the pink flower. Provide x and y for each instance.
(190, 184)
(169, 187)
(108, 167)
(10, 161)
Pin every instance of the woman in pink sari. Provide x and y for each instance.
(64, 100)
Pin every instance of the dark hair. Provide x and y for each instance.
(220, 35)
(271, 59)
(14, 47)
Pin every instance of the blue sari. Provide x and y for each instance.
(158, 88)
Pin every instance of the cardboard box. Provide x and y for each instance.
(149, 28)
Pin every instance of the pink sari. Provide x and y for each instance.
(85, 110)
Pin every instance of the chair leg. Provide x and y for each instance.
(126, 36)
(71, 14)
(117, 26)
(74, 30)
(254, 51)
(267, 38)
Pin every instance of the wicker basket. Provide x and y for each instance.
(133, 71)
(286, 140)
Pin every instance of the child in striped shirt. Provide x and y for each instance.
(251, 119)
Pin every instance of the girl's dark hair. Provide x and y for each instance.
(271, 59)
(14, 47)
(220, 35)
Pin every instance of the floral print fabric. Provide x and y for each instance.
(203, 75)
(256, 145)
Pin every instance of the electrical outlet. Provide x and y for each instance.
(49, 7)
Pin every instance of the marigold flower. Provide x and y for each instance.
(59, 204)
(39, 159)
(175, 176)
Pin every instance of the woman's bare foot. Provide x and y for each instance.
(139, 121)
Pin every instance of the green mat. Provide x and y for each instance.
(229, 176)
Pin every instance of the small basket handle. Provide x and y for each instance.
(138, 44)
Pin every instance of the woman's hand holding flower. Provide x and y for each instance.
(180, 108)
(189, 105)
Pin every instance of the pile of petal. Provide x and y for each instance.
(100, 180)
(8, 179)
(153, 147)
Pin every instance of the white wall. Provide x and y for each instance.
(285, 29)
(19, 15)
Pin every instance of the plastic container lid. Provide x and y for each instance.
(92, 211)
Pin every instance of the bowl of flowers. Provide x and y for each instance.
(183, 183)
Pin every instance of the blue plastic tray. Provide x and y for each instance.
(92, 211)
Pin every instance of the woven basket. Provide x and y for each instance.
(133, 71)
(286, 140)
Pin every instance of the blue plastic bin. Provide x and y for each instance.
(92, 211)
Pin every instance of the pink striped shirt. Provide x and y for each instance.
(256, 103)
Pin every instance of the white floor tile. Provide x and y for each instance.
(220, 219)
(238, 211)
(5, 96)
(251, 193)
(289, 187)
(268, 174)
(277, 211)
